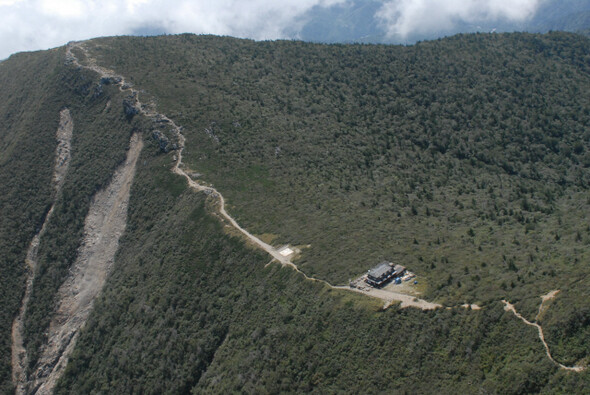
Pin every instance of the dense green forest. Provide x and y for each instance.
(190, 309)
(468, 158)
(27, 132)
(465, 159)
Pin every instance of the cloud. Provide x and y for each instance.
(41, 24)
(401, 18)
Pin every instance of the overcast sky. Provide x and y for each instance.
(40, 24)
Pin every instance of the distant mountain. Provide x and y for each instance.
(356, 21)
(344, 23)
(567, 15)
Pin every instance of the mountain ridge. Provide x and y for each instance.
(227, 321)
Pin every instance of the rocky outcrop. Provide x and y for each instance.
(162, 140)
(110, 80)
(130, 108)
(97, 91)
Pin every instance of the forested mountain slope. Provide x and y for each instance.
(36, 87)
(472, 150)
(465, 159)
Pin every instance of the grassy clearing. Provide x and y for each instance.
(267, 237)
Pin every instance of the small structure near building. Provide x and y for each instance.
(408, 276)
(286, 251)
(383, 273)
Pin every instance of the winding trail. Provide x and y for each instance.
(60, 169)
(509, 307)
(387, 296)
(147, 110)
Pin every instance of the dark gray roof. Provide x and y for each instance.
(380, 270)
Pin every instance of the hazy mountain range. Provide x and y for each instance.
(360, 21)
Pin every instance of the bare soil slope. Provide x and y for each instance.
(104, 226)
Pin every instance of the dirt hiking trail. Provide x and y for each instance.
(147, 109)
(389, 297)
(509, 307)
(60, 169)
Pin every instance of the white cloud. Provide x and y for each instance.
(66, 9)
(401, 18)
(40, 24)
(8, 2)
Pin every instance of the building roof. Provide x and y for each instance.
(380, 270)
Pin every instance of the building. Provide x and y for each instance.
(382, 273)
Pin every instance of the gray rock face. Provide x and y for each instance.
(130, 109)
(110, 80)
(97, 91)
(162, 140)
